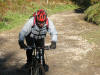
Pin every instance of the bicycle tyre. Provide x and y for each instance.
(39, 70)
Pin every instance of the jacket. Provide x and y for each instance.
(29, 28)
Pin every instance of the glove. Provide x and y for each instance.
(22, 45)
(53, 45)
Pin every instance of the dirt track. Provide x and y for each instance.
(68, 59)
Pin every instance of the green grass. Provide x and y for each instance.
(14, 19)
(92, 14)
(61, 8)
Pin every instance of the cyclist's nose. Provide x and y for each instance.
(41, 24)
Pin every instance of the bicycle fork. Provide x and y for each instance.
(40, 56)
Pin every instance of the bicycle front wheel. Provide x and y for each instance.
(38, 70)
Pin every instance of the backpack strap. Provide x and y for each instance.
(34, 21)
(47, 23)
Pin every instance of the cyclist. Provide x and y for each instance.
(34, 32)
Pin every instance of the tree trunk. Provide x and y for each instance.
(47, 1)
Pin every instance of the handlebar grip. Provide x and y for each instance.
(47, 48)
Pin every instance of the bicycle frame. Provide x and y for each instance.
(37, 60)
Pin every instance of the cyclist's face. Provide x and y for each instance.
(40, 24)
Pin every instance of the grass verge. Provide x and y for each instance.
(93, 38)
(14, 19)
(92, 14)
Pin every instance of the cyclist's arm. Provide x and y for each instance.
(26, 29)
(52, 31)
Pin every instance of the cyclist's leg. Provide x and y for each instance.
(30, 42)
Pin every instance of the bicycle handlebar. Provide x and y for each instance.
(45, 48)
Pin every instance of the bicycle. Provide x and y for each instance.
(36, 66)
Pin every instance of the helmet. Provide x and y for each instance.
(41, 17)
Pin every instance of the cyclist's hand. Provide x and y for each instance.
(22, 45)
(53, 45)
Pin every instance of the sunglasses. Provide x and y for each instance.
(41, 23)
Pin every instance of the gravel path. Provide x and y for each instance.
(68, 59)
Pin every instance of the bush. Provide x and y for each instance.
(94, 1)
(92, 14)
(82, 3)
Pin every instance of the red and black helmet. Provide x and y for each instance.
(41, 15)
